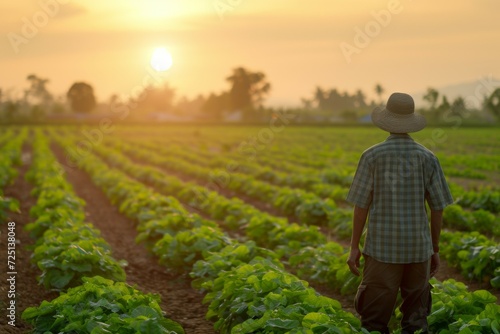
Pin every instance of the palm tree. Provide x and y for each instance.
(379, 90)
(432, 96)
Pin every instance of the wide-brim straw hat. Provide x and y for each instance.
(399, 115)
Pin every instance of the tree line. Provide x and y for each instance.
(245, 96)
(439, 107)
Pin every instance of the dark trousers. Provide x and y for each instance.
(377, 294)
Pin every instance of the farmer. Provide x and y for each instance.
(393, 181)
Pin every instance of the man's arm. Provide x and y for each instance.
(359, 221)
(436, 222)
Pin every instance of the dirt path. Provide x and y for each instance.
(181, 302)
(28, 292)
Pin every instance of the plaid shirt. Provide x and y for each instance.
(393, 179)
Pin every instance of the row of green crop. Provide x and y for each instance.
(305, 206)
(308, 210)
(67, 248)
(471, 162)
(324, 182)
(219, 261)
(318, 147)
(487, 198)
(71, 253)
(483, 221)
(212, 204)
(268, 231)
(248, 297)
(314, 262)
(336, 158)
(10, 157)
(454, 216)
(457, 310)
(252, 160)
(181, 239)
(474, 254)
(6, 134)
(295, 151)
(264, 165)
(160, 218)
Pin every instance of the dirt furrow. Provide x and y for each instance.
(179, 300)
(28, 291)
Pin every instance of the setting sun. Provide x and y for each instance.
(161, 60)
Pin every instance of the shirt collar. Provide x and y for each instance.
(399, 136)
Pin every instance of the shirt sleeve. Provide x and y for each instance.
(361, 190)
(438, 192)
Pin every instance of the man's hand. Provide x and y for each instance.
(358, 223)
(435, 262)
(353, 261)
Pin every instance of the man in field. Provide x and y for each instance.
(393, 181)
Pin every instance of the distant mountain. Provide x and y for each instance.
(472, 92)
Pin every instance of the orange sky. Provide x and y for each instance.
(297, 44)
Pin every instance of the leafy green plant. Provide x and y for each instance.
(233, 212)
(7, 204)
(487, 199)
(260, 297)
(455, 217)
(335, 192)
(340, 221)
(486, 222)
(66, 256)
(58, 217)
(10, 156)
(316, 263)
(228, 258)
(288, 200)
(101, 306)
(477, 256)
(315, 212)
(457, 310)
(181, 251)
(465, 173)
(276, 233)
(326, 264)
(67, 249)
(342, 177)
(153, 230)
(293, 237)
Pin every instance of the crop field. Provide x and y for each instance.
(221, 229)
